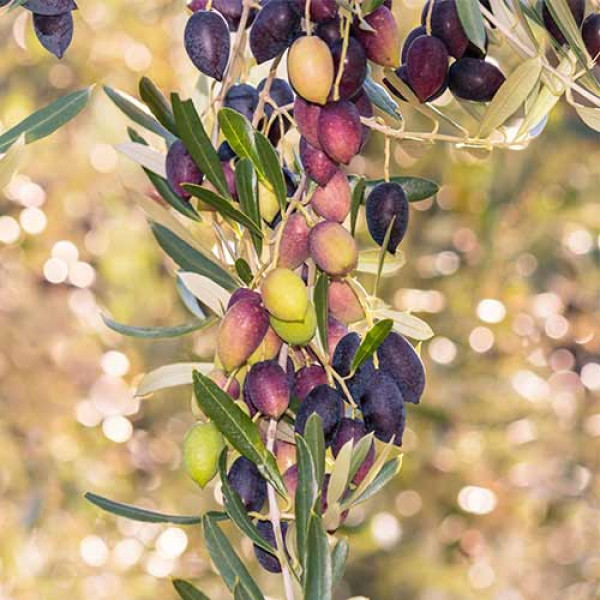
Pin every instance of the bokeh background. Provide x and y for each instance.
(499, 494)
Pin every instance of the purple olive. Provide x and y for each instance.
(475, 79)
(275, 28)
(54, 32)
(207, 43)
(268, 388)
(181, 168)
(387, 202)
(427, 66)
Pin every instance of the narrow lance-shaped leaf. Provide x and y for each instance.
(237, 427)
(272, 169)
(242, 268)
(339, 556)
(322, 308)
(142, 154)
(371, 342)
(47, 120)
(382, 254)
(358, 197)
(246, 187)
(158, 104)
(315, 438)
(564, 19)
(161, 185)
(138, 514)
(511, 95)
(169, 376)
(195, 139)
(187, 591)
(237, 511)
(239, 134)
(155, 333)
(387, 473)
(226, 560)
(359, 454)
(10, 162)
(471, 19)
(379, 96)
(318, 577)
(222, 206)
(415, 188)
(190, 259)
(340, 474)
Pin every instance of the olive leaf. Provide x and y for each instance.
(358, 197)
(158, 104)
(155, 333)
(138, 514)
(161, 185)
(340, 474)
(318, 574)
(242, 268)
(271, 167)
(11, 161)
(372, 340)
(564, 19)
(511, 95)
(406, 323)
(368, 262)
(339, 556)
(207, 291)
(239, 134)
(307, 494)
(169, 376)
(247, 191)
(187, 591)
(145, 156)
(590, 116)
(471, 19)
(389, 470)
(415, 188)
(322, 308)
(379, 96)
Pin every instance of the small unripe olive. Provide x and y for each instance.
(284, 295)
(310, 69)
(202, 447)
(297, 333)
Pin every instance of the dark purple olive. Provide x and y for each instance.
(342, 363)
(268, 388)
(226, 152)
(275, 28)
(475, 79)
(365, 109)
(327, 403)
(49, 8)
(383, 408)
(427, 66)
(329, 31)
(207, 43)
(402, 74)
(249, 484)
(320, 10)
(355, 67)
(577, 8)
(181, 168)
(410, 38)
(282, 94)
(230, 9)
(54, 32)
(307, 378)
(387, 202)
(242, 98)
(590, 31)
(446, 26)
(268, 561)
(398, 358)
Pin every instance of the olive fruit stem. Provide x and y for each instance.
(340, 71)
(275, 518)
(264, 94)
(545, 64)
(308, 24)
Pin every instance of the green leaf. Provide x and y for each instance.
(157, 104)
(313, 434)
(193, 135)
(340, 474)
(10, 162)
(371, 342)
(511, 95)
(169, 376)
(47, 120)
(415, 188)
(387, 473)
(246, 187)
(138, 113)
(222, 206)
(138, 514)
(237, 511)
(170, 197)
(318, 581)
(307, 493)
(564, 19)
(322, 308)
(407, 324)
(187, 591)
(155, 333)
(339, 556)
(239, 593)
(358, 197)
(272, 169)
(240, 135)
(142, 154)
(368, 6)
(379, 96)
(239, 429)
(590, 116)
(472, 21)
(242, 268)
(191, 259)
(228, 563)
(382, 252)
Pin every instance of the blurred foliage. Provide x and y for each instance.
(499, 494)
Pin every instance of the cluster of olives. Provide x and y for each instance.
(371, 399)
(52, 22)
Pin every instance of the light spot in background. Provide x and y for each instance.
(104, 158)
(481, 339)
(33, 220)
(590, 376)
(127, 553)
(547, 304)
(55, 270)
(481, 575)
(87, 414)
(490, 310)
(523, 324)
(447, 262)
(60, 76)
(172, 542)
(93, 551)
(562, 360)
(66, 251)
(138, 57)
(82, 274)
(117, 429)
(158, 566)
(386, 530)
(592, 425)
(432, 301)
(9, 230)
(529, 385)
(115, 363)
(477, 500)
(526, 264)
(556, 327)
(579, 241)
(442, 350)
(521, 431)
(409, 503)
(465, 240)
